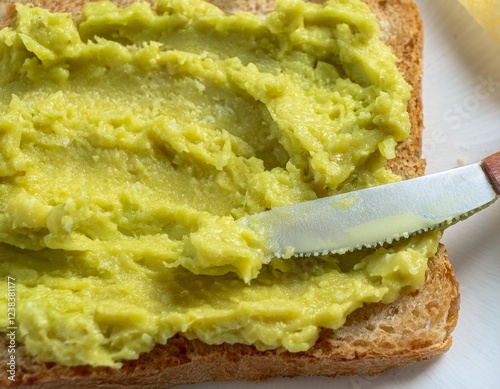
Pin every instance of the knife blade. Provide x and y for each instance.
(378, 215)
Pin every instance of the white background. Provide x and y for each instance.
(461, 93)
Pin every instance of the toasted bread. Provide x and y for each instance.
(415, 327)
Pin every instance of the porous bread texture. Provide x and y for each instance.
(415, 327)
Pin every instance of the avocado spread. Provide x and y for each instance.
(132, 140)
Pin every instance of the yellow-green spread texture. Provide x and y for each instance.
(132, 140)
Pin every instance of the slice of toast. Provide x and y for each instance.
(377, 337)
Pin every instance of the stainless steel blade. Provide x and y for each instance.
(374, 216)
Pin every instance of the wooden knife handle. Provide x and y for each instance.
(491, 166)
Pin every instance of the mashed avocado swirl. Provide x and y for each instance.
(132, 141)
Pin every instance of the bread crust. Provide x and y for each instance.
(377, 337)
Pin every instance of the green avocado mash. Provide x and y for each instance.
(132, 141)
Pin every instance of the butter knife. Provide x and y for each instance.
(379, 215)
